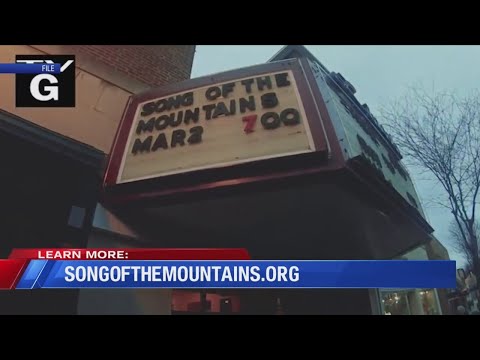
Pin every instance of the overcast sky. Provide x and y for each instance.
(379, 73)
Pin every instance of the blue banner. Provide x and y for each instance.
(30, 68)
(237, 274)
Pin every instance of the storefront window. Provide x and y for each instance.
(395, 303)
(410, 302)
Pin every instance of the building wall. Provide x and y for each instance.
(105, 78)
(153, 65)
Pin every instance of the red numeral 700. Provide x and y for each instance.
(250, 121)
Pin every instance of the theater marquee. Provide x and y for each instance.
(219, 121)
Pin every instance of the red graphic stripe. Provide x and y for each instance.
(10, 272)
(131, 254)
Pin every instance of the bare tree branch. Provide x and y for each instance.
(461, 244)
(440, 132)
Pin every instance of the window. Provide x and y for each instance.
(410, 302)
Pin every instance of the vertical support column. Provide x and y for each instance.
(83, 197)
(203, 301)
(82, 210)
(121, 301)
(415, 301)
(375, 304)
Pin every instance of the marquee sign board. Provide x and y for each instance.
(359, 139)
(241, 116)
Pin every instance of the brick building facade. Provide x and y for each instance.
(106, 75)
(53, 158)
(153, 65)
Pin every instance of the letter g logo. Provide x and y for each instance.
(52, 91)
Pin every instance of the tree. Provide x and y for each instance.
(440, 132)
(462, 245)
